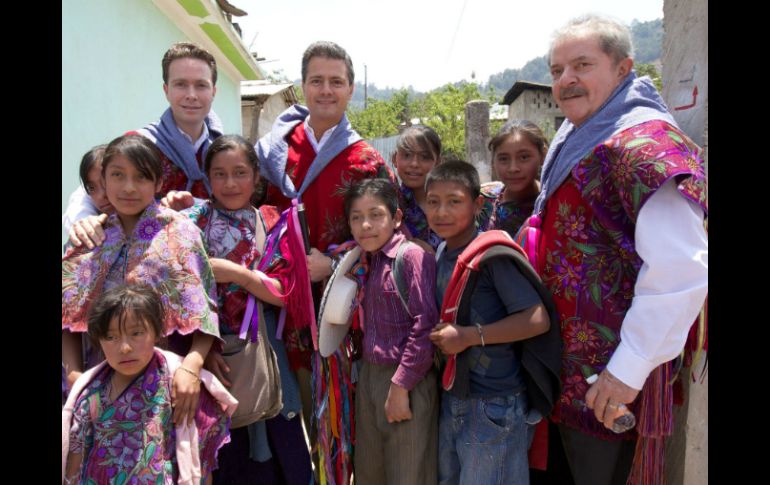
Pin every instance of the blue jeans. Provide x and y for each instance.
(483, 441)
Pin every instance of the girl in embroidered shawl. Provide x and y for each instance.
(418, 150)
(117, 424)
(238, 237)
(518, 151)
(150, 244)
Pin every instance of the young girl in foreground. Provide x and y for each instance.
(518, 151)
(116, 425)
(144, 243)
(235, 234)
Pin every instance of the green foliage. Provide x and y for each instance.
(299, 93)
(648, 40)
(381, 118)
(443, 109)
(649, 70)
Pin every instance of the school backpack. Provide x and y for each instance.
(540, 355)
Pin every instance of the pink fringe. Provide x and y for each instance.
(654, 424)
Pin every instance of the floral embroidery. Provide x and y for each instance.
(509, 215)
(415, 219)
(587, 248)
(132, 439)
(173, 261)
(147, 229)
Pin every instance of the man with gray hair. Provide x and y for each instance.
(622, 248)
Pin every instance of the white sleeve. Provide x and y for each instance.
(670, 288)
(79, 206)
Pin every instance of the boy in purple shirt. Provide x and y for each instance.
(396, 396)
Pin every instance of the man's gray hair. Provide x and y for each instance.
(614, 37)
(330, 50)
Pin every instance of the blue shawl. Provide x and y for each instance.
(633, 102)
(166, 136)
(273, 150)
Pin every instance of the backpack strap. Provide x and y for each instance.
(540, 355)
(397, 273)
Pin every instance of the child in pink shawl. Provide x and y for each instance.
(116, 425)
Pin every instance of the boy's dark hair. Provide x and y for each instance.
(182, 50)
(231, 142)
(456, 171)
(90, 158)
(329, 50)
(140, 151)
(420, 138)
(136, 301)
(381, 188)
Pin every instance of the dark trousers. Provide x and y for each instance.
(594, 461)
(557, 471)
(290, 464)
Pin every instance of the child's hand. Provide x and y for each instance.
(318, 265)
(450, 338)
(225, 271)
(88, 231)
(216, 364)
(177, 200)
(185, 391)
(397, 404)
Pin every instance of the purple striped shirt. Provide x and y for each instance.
(391, 336)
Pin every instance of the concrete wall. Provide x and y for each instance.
(537, 106)
(685, 63)
(685, 90)
(111, 76)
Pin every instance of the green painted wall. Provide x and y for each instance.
(111, 76)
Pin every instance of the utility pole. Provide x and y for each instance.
(365, 86)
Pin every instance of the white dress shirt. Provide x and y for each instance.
(317, 145)
(670, 288)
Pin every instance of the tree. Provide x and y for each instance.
(381, 118)
(649, 70)
(443, 109)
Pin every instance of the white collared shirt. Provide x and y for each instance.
(317, 145)
(197, 144)
(670, 289)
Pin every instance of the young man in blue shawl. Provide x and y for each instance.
(183, 134)
(622, 247)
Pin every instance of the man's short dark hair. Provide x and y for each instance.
(182, 50)
(330, 50)
(457, 171)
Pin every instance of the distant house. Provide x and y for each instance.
(111, 68)
(261, 103)
(533, 101)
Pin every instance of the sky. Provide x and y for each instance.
(422, 43)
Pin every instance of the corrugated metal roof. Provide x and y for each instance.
(262, 88)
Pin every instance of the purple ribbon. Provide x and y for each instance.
(251, 317)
